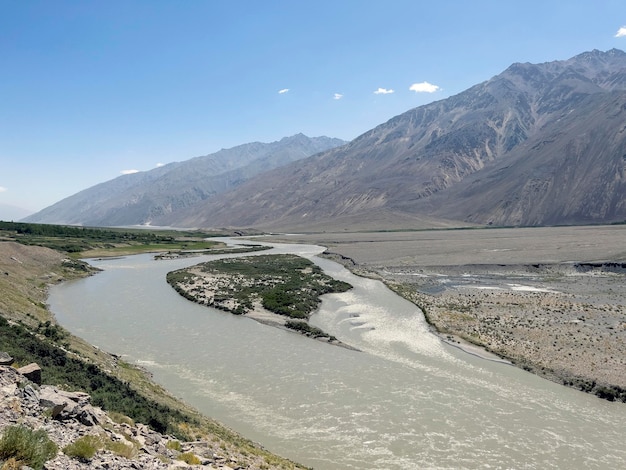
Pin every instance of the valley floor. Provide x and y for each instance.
(550, 300)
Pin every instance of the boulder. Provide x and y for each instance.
(5, 359)
(32, 372)
(87, 415)
(67, 405)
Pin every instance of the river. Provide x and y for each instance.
(406, 400)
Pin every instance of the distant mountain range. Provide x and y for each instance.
(538, 144)
(141, 198)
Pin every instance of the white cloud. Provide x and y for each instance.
(159, 165)
(383, 91)
(129, 172)
(283, 91)
(337, 96)
(3, 189)
(424, 87)
(621, 32)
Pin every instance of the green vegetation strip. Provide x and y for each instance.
(108, 392)
(288, 285)
(83, 241)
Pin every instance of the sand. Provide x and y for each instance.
(550, 300)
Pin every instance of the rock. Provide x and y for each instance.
(32, 372)
(88, 416)
(67, 405)
(30, 398)
(5, 359)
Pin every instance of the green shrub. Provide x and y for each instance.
(121, 418)
(174, 445)
(306, 329)
(26, 446)
(190, 458)
(122, 449)
(84, 448)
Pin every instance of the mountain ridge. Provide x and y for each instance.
(140, 197)
(409, 164)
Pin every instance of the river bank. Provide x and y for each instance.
(27, 272)
(550, 300)
(406, 401)
(562, 322)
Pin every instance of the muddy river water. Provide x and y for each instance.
(406, 400)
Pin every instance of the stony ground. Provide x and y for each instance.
(67, 417)
(552, 300)
(564, 322)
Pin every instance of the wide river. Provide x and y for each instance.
(404, 401)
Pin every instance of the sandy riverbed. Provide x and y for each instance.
(551, 300)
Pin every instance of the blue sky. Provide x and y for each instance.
(90, 89)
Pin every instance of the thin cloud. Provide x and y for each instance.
(383, 91)
(129, 172)
(621, 32)
(337, 96)
(283, 91)
(3, 189)
(424, 87)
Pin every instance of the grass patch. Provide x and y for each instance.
(190, 458)
(308, 330)
(84, 448)
(81, 242)
(23, 446)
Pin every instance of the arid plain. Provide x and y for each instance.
(551, 300)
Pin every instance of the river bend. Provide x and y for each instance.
(406, 401)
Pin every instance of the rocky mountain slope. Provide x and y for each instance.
(538, 144)
(142, 197)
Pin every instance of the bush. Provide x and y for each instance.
(189, 458)
(306, 329)
(122, 449)
(174, 445)
(26, 446)
(84, 448)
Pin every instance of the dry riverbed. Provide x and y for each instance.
(550, 300)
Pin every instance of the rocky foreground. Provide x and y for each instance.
(68, 418)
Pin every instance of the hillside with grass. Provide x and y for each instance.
(29, 334)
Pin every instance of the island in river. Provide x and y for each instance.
(278, 290)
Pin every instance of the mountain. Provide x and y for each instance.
(538, 144)
(142, 197)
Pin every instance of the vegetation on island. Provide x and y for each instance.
(287, 285)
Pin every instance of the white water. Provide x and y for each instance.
(407, 401)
